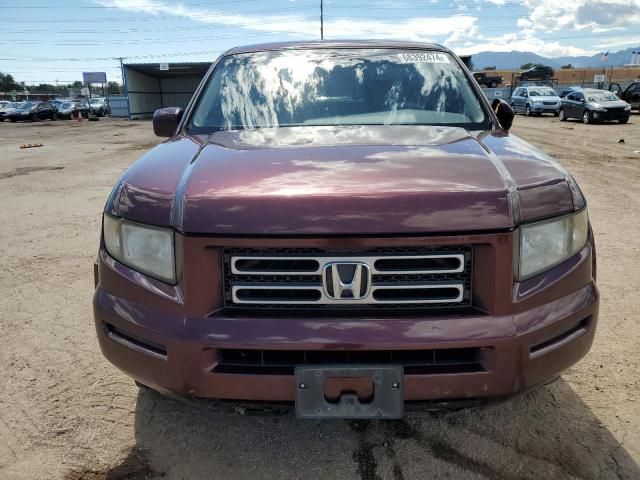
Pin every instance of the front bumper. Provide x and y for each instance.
(611, 116)
(526, 349)
(548, 326)
(538, 108)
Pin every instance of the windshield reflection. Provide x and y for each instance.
(337, 87)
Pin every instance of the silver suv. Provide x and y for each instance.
(535, 100)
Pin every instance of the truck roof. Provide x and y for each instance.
(274, 46)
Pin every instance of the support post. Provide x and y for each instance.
(321, 20)
(124, 85)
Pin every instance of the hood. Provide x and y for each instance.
(342, 180)
(609, 104)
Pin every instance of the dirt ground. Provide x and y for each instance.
(65, 413)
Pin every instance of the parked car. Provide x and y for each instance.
(73, 109)
(567, 90)
(592, 105)
(100, 107)
(535, 100)
(488, 81)
(631, 94)
(539, 72)
(4, 103)
(349, 251)
(33, 111)
(8, 108)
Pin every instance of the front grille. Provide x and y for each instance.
(415, 362)
(432, 278)
(550, 103)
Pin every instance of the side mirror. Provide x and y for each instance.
(504, 112)
(166, 120)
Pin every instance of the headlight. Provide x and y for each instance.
(627, 108)
(549, 243)
(147, 249)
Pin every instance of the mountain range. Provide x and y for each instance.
(514, 59)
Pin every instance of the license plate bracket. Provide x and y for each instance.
(387, 400)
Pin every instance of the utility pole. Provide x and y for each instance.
(321, 20)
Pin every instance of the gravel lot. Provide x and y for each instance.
(66, 413)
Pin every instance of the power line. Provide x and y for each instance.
(151, 41)
(164, 29)
(92, 59)
(425, 7)
(282, 9)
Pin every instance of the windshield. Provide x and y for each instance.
(96, 102)
(337, 87)
(12, 105)
(27, 105)
(542, 92)
(66, 105)
(601, 97)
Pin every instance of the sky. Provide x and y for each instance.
(42, 41)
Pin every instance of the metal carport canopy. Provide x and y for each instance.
(149, 88)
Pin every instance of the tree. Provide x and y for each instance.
(568, 66)
(43, 88)
(7, 83)
(489, 68)
(113, 88)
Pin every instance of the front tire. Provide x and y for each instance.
(623, 120)
(527, 110)
(34, 117)
(586, 117)
(54, 117)
(562, 116)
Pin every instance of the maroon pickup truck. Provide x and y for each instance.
(347, 227)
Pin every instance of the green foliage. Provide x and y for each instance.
(7, 83)
(489, 68)
(113, 88)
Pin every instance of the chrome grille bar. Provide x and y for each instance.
(456, 260)
(444, 288)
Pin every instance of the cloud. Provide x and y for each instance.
(414, 28)
(461, 32)
(526, 43)
(595, 15)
